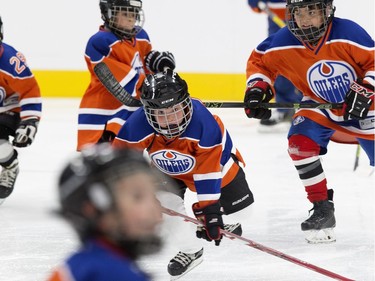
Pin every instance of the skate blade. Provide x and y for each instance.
(192, 266)
(323, 236)
(235, 228)
(2, 200)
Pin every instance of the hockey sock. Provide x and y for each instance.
(305, 155)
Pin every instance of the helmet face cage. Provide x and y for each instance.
(321, 8)
(173, 121)
(167, 103)
(1, 31)
(112, 10)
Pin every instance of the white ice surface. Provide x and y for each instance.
(33, 240)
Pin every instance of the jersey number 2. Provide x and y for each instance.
(19, 62)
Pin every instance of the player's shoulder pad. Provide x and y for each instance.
(344, 29)
(142, 35)
(13, 62)
(99, 45)
(253, 4)
(203, 126)
(282, 38)
(136, 127)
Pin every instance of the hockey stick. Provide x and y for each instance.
(106, 77)
(356, 160)
(214, 104)
(263, 248)
(263, 7)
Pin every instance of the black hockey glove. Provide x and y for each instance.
(156, 61)
(257, 92)
(25, 132)
(358, 100)
(211, 218)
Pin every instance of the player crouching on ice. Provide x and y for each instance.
(329, 60)
(190, 145)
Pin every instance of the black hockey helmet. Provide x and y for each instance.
(311, 34)
(89, 179)
(1, 31)
(165, 90)
(109, 10)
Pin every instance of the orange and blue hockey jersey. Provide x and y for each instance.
(323, 73)
(97, 261)
(202, 156)
(99, 110)
(19, 90)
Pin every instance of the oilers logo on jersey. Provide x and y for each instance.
(172, 162)
(330, 80)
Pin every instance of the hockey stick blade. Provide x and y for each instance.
(106, 77)
(215, 104)
(263, 248)
(356, 159)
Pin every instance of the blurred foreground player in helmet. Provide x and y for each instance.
(331, 60)
(125, 47)
(190, 145)
(108, 196)
(20, 111)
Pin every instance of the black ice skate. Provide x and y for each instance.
(235, 228)
(319, 227)
(182, 263)
(8, 178)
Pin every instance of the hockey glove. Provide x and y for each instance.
(25, 132)
(358, 100)
(212, 221)
(257, 92)
(156, 61)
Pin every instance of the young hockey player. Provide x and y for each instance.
(190, 145)
(124, 46)
(330, 60)
(20, 111)
(285, 91)
(108, 196)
